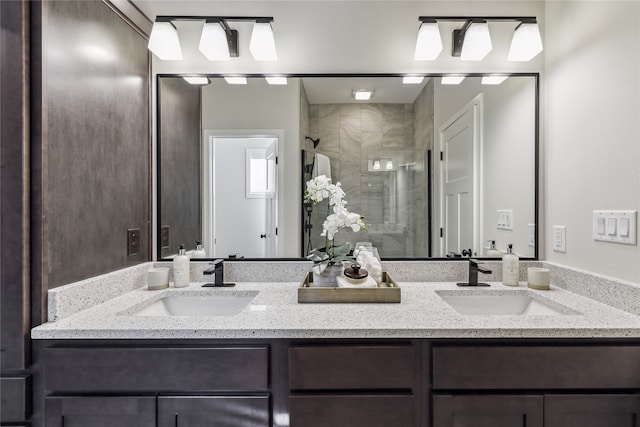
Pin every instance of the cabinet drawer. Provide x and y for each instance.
(351, 367)
(218, 411)
(487, 410)
(353, 411)
(15, 397)
(121, 411)
(155, 368)
(535, 367)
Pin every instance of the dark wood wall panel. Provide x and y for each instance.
(96, 138)
(179, 158)
(14, 216)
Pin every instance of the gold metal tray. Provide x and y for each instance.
(386, 292)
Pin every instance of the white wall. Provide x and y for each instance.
(259, 106)
(592, 133)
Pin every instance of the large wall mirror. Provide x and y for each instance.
(440, 167)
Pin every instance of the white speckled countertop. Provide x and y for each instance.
(275, 313)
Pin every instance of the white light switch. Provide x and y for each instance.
(615, 226)
(504, 219)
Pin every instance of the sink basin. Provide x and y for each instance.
(508, 304)
(219, 304)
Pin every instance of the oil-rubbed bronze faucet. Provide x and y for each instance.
(474, 268)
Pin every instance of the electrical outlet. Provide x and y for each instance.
(164, 237)
(560, 238)
(532, 235)
(133, 241)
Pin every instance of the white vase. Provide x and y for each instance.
(327, 279)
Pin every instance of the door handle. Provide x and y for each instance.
(263, 236)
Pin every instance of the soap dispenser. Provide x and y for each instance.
(492, 252)
(181, 269)
(510, 267)
(199, 251)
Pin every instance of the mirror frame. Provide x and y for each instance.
(536, 76)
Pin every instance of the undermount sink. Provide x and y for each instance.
(508, 304)
(219, 304)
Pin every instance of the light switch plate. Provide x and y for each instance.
(615, 226)
(559, 238)
(532, 235)
(504, 219)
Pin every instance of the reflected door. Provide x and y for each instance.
(243, 182)
(458, 142)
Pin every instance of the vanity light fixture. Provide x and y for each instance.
(262, 44)
(376, 165)
(236, 80)
(412, 80)
(451, 80)
(197, 80)
(526, 42)
(276, 80)
(164, 41)
(389, 165)
(472, 42)
(362, 94)
(429, 43)
(493, 80)
(218, 42)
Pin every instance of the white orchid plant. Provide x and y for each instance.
(338, 217)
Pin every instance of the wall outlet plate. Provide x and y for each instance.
(531, 241)
(133, 241)
(504, 219)
(559, 238)
(164, 237)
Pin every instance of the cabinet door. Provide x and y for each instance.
(352, 411)
(592, 411)
(218, 411)
(487, 411)
(100, 411)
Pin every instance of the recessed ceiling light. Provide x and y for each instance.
(196, 80)
(276, 80)
(236, 80)
(493, 80)
(362, 94)
(452, 80)
(412, 80)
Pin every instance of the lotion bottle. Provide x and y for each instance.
(492, 252)
(510, 267)
(181, 269)
(199, 251)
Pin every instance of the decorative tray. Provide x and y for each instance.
(387, 292)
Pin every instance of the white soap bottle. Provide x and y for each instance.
(510, 267)
(199, 251)
(492, 252)
(181, 269)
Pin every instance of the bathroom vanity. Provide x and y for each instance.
(280, 363)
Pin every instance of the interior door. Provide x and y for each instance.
(271, 199)
(458, 182)
(242, 191)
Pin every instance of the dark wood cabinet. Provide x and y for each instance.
(218, 411)
(487, 411)
(90, 411)
(611, 410)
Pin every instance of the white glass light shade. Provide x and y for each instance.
(452, 80)
(493, 80)
(477, 42)
(213, 42)
(412, 80)
(197, 80)
(164, 41)
(526, 42)
(389, 165)
(236, 80)
(276, 80)
(429, 44)
(262, 44)
(376, 164)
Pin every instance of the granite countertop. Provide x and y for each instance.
(275, 313)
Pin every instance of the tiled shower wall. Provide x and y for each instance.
(394, 203)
